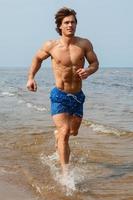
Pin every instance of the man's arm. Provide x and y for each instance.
(41, 55)
(92, 60)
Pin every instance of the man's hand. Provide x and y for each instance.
(83, 73)
(31, 85)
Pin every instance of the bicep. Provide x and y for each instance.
(90, 54)
(43, 53)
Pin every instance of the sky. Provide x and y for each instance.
(26, 24)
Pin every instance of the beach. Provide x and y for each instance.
(102, 166)
(101, 160)
(13, 192)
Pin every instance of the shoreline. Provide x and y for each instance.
(101, 166)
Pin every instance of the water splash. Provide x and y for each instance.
(68, 180)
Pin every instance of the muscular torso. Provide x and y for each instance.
(66, 60)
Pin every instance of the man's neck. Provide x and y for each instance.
(67, 40)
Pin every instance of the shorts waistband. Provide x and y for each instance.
(66, 93)
(57, 93)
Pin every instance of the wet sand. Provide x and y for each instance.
(102, 167)
(12, 192)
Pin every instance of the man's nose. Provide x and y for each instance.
(70, 24)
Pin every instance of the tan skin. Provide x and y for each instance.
(68, 55)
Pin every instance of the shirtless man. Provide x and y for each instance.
(68, 55)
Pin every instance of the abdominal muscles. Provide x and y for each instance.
(67, 79)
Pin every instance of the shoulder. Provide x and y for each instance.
(48, 45)
(85, 43)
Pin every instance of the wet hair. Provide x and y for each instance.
(61, 14)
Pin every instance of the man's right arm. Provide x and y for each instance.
(41, 55)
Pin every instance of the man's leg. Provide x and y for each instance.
(62, 123)
(56, 139)
(75, 123)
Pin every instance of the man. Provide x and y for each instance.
(68, 55)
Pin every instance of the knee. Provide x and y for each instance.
(64, 133)
(74, 132)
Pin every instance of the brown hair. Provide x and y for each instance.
(61, 14)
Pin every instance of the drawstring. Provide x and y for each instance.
(75, 97)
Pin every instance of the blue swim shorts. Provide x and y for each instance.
(63, 102)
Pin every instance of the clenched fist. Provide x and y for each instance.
(31, 85)
(83, 73)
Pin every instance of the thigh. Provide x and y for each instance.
(75, 123)
(62, 121)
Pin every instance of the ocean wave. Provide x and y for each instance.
(98, 82)
(9, 94)
(109, 84)
(100, 128)
(122, 85)
(31, 105)
(41, 109)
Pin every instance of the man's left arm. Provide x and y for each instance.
(92, 60)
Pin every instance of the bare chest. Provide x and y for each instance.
(73, 55)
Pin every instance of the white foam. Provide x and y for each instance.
(39, 108)
(99, 128)
(47, 160)
(9, 94)
(54, 156)
(68, 181)
(105, 129)
(30, 105)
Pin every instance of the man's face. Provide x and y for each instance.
(68, 26)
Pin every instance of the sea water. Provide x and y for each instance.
(101, 163)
